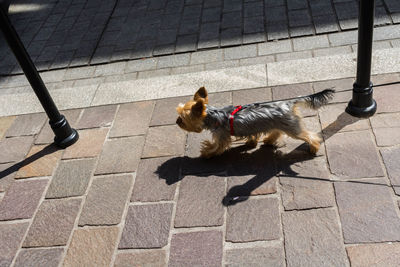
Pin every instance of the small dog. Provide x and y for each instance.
(249, 122)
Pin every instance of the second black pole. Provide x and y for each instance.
(64, 134)
(362, 103)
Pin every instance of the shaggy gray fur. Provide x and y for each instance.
(263, 117)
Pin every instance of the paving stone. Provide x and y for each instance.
(22, 199)
(46, 135)
(307, 43)
(196, 249)
(186, 43)
(343, 38)
(252, 220)
(206, 57)
(335, 119)
(274, 47)
(92, 247)
(5, 123)
(387, 136)
(41, 161)
(374, 254)
(231, 36)
(71, 178)
(256, 256)
(390, 159)
(385, 120)
(89, 144)
(7, 174)
(347, 150)
(294, 90)
(164, 141)
(39, 257)
(313, 238)
(155, 179)
(278, 31)
(132, 119)
(11, 238)
(332, 51)
(256, 37)
(199, 202)
(222, 65)
(120, 155)
(303, 186)
(53, 223)
(384, 78)
(29, 124)
(256, 60)
(154, 73)
(251, 96)
(110, 69)
(141, 65)
(339, 85)
(97, 117)
(79, 73)
(147, 226)
(156, 258)
(188, 69)
(294, 55)
(173, 61)
(104, 206)
(388, 98)
(165, 111)
(360, 223)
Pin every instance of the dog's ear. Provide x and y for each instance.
(199, 108)
(201, 93)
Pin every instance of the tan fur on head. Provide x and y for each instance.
(193, 112)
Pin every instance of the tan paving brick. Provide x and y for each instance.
(252, 220)
(242, 97)
(46, 135)
(155, 179)
(388, 98)
(196, 249)
(92, 247)
(165, 111)
(7, 174)
(200, 202)
(106, 200)
(71, 178)
(374, 254)
(97, 117)
(53, 223)
(385, 120)
(29, 124)
(391, 159)
(387, 136)
(147, 226)
(256, 256)
(156, 258)
(39, 257)
(353, 155)
(360, 222)
(164, 141)
(44, 160)
(313, 238)
(5, 123)
(120, 155)
(132, 119)
(14, 149)
(11, 238)
(22, 199)
(89, 144)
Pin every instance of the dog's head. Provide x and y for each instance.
(192, 113)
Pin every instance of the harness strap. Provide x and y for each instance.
(238, 108)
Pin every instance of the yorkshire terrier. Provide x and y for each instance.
(250, 122)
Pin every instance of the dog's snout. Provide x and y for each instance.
(179, 120)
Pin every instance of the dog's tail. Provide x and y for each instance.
(317, 100)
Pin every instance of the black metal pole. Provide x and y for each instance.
(362, 103)
(64, 134)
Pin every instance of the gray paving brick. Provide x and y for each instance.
(340, 50)
(141, 64)
(274, 47)
(313, 42)
(79, 73)
(293, 55)
(12, 235)
(232, 5)
(240, 52)
(39, 257)
(343, 38)
(189, 27)
(222, 65)
(231, 20)
(277, 31)
(253, 9)
(186, 43)
(29, 124)
(211, 14)
(301, 31)
(231, 36)
(299, 18)
(174, 61)
(325, 23)
(110, 69)
(188, 69)
(253, 24)
(154, 73)
(252, 38)
(256, 60)
(206, 57)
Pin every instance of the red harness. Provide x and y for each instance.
(238, 108)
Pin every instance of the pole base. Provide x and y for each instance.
(65, 136)
(361, 112)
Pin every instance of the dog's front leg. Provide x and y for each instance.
(217, 147)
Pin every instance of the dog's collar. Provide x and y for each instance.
(237, 108)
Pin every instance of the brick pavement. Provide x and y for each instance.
(69, 33)
(132, 191)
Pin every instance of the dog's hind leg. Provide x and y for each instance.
(273, 138)
(311, 138)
